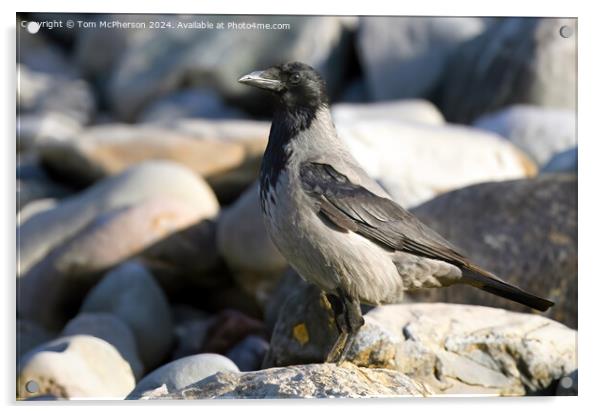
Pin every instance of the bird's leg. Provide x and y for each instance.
(348, 318)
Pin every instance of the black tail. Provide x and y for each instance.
(486, 281)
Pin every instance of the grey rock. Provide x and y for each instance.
(246, 247)
(37, 52)
(289, 284)
(161, 61)
(539, 132)
(182, 373)
(404, 57)
(510, 64)
(153, 179)
(42, 93)
(190, 332)
(304, 381)
(111, 329)
(458, 349)
(191, 103)
(78, 366)
(249, 353)
(29, 336)
(130, 293)
(411, 110)
(525, 231)
(305, 331)
(565, 161)
(35, 129)
(33, 183)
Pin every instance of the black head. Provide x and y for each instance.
(295, 84)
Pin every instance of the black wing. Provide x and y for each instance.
(352, 207)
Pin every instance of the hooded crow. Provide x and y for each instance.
(336, 226)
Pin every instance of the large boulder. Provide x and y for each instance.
(404, 57)
(525, 231)
(78, 366)
(454, 349)
(182, 373)
(510, 64)
(415, 162)
(111, 329)
(540, 132)
(304, 381)
(131, 293)
(154, 179)
(163, 61)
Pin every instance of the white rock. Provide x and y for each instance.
(412, 110)
(111, 329)
(539, 132)
(78, 366)
(415, 162)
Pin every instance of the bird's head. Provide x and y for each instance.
(295, 84)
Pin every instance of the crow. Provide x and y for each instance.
(336, 226)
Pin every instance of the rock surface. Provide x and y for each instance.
(404, 57)
(151, 179)
(510, 64)
(54, 285)
(248, 354)
(304, 381)
(463, 349)
(29, 336)
(191, 103)
(109, 149)
(409, 110)
(78, 366)
(243, 242)
(540, 132)
(42, 93)
(525, 231)
(453, 349)
(565, 161)
(130, 293)
(181, 373)
(111, 329)
(413, 161)
(163, 61)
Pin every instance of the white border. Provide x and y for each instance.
(590, 204)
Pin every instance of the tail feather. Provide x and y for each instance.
(488, 282)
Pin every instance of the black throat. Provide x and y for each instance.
(286, 126)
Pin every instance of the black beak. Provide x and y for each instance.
(261, 79)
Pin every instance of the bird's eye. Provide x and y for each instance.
(295, 78)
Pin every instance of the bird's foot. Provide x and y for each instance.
(338, 351)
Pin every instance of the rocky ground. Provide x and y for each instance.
(144, 270)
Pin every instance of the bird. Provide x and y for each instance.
(336, 226)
